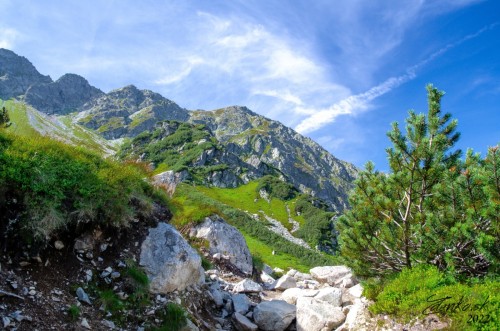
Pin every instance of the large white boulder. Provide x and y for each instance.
(330, 274)
(292, 294)
(285, 282)
(331, 295)
(226, 240)
(317, 315)
(247, 286)
(170, 263)
(275, 315)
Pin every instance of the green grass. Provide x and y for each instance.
(19, 118)
(281, 260)
(50, 186)
(423, 290)
(191, 204)
(24, 119)
(246, 198)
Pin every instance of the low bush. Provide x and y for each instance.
(47, 186)
(424, 290)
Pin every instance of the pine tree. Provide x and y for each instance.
(4, 118)
(388, 227)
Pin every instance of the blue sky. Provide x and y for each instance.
(337, 71)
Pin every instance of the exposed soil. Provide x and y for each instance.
(38, 291)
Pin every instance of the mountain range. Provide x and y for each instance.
(246, 145)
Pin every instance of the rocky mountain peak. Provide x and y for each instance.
(17, 74)
(68, 94)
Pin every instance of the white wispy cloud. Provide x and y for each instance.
(355, 103)
(8, 37)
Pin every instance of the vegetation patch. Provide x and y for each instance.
(424, 290)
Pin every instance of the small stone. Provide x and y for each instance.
(32, 292)
(13, 285)
(58, 245)
(103, 247)
(89, 255)
(24, 263)
(37, 259)
(17, 316)
(85, 323)
(108, 324)
(115, 275)
(6, 321)
(121, 264)
(82, 296)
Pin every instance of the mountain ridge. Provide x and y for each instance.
(128, 111)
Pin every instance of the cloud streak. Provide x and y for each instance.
(359, 102)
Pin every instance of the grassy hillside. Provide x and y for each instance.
(28, 122)
(246, 198)
(192, 204)
(47, 186)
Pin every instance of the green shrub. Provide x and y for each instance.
(110, 301)
(424, 289)
(276, 188)
(74, 312)
(50, 186)
(173, 318)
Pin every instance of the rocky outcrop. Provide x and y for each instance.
(170, 263)
(128, 111)
(17, 74)
(169, 180)
(226, 240)
(68, 94)
(302, 161)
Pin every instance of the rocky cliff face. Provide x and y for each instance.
(17, 74)
(68, 94)
(128, 111)
(303, 162)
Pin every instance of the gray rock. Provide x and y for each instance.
(285, 282)
(170, 263)
(226, 240)
(17, 74)
(274, 315)
(242, 323)
(68, 94)
(109, 324)
(331, 295)
(241, 303)
(58, 245)
(267, 269)
(330, 274)
(217, 296)
(317, 315)
(82, 296)
(5, 321)
(247, 286)
(85, 324)
(84, 243)
(292, 294)
(170, 179)
(189, 326)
